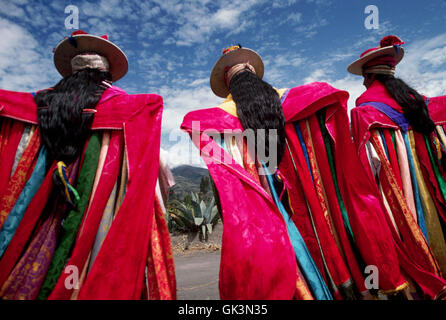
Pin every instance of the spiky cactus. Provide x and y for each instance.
(196, 217)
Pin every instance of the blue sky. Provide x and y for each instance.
(172, 46)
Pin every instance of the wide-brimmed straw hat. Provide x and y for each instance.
(230, 57)
(81, 42)
(390, 46)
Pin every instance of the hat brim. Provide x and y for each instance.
(356, 66)
(65, 51)
(217, 79)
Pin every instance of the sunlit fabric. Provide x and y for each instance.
(412, 179)
(116, 230)
(319, 206)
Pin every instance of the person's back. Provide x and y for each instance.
(72, 200)
(401, 148)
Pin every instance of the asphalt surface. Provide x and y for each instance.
(197, 275)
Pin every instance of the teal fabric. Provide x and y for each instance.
(32, 185)
(312, 275)
(381, 134)
(416, 193)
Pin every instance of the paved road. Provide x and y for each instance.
(197, 276)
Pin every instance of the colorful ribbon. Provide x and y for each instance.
(69, 191)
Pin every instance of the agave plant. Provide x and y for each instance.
(196, 217)
(210, 217)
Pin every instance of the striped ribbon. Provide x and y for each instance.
(70, 191)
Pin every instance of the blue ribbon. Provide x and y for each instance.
(309, 269)
(72, 41)
(13, 220)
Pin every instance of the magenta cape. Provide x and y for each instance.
(257, 258)
(118, 271)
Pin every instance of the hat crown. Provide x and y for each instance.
(390, 41)
(387, 41)
(231, 48)
(81, 32)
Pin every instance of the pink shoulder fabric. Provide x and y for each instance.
(305, 100)
(437, 107)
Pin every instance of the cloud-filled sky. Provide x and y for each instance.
(172, 46)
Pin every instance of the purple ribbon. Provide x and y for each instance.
(394, 115)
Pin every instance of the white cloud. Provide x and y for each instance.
(293, 18)
(278, 66)
(178, 102)
(316, 75)
(182, 152)
(283, 3)
(423, 65)
(106, 8)
(11, 9)
(199, 82)
(225, 18)
(319, 2)
(435, 57)
(24, 64)
(310, 30)
(197, 22)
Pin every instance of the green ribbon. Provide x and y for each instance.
(441, 182)
(392, 135)
(74, 217)
(321, 116)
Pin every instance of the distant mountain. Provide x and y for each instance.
(187, 180)
(190, 172)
